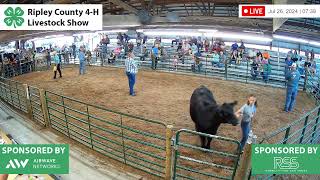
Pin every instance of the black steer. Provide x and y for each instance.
(208, 115)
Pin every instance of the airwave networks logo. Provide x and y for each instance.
(14, 17)
(286, 163)
(17, 164)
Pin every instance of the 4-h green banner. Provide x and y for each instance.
(285, 159)
(34, 159)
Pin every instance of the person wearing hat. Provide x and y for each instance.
(57, 65)
(292, 77)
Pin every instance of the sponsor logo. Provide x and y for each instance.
(286, 163)
(15, 163)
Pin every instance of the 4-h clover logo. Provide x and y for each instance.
(14, 16)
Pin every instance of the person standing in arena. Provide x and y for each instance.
(57, 66)
(131, 71)
(82, 59)
(292, 77)
(247, 112)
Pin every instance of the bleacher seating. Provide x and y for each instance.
(240, 72)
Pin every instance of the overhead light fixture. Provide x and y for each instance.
(290, 38)
(239, 36)
(254, 32)
(174, 33)
(114, 31)
(207, 30)
(314, 43)
(131, 25)
(81, 34)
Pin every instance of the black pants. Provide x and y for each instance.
(59, 70)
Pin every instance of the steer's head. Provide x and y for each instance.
(227, 114)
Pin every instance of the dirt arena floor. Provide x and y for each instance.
(165, 96)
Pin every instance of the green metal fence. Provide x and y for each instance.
(14, 94)
(193, 162)
(305, 130)
(312, 86)
(135, 141)
(36, 105)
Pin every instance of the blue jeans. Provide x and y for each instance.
(290, 98)
(82, 67)
(245, 127)
(265, 76)
(132, 81)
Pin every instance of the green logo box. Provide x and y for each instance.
(285, 159)
(34, 159)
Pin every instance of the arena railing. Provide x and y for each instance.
(132, 140)
(14, 93)
(144, 144)
(193, 162)
(237, 72)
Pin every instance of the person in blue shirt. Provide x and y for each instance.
(155, 52)
(57, 65)
(292, 77)
(234, 47)
(82, 59)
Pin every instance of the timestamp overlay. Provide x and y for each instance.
(279, 11)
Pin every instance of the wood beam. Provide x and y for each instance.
(125, 6)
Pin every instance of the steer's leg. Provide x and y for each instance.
(208, 143)
(203, 141)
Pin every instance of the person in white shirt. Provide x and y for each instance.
(131, 71)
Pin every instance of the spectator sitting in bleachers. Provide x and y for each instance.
(222, 59)
(138, 40)
(206, 45)
(233, 57)
(179, 46)
(130, 47)
(145, 39)
(120, 39)
(242, 47)
(197, 63)
(234, 47)
(181, 56)
(288, 62)
(266, 71)
(175, 62)
(307, 54)
(215, 59)
(254, 69)
(312, 55)
(144, 54)
(88, 56)
(112, 58)
(176, 41)
(313, 67)
(239, 57)
(295, 56)
(126, 38)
